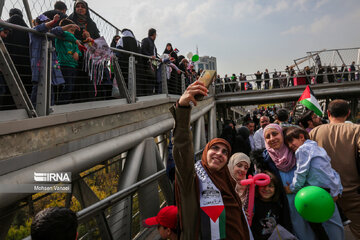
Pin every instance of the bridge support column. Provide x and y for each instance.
(162, 143)
(149, 194)
(121, 213)
(5, 222)
(87, 197)
(199, 140)
(212, 123)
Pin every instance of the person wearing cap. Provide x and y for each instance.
(166, 222)
(208, 205)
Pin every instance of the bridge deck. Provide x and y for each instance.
(348, 89)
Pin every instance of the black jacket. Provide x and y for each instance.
(148, 47)
(90, 25)
(51, 13)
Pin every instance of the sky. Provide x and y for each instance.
(244, 35)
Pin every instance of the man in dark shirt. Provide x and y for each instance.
(267, 79)
(148, 48)
(59, 8)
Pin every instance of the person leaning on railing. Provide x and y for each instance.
(87, 33)
(17, 44)
(43, 24)
(81, 16)
(6, 100)
(68, 53)
(216, 211)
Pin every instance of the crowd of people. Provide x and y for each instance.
(294, 153)
(211, 202)
(309, 75)
(70, 80)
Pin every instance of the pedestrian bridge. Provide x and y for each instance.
(279, 95)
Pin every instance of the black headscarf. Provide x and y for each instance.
(89, 24)
(171, 53)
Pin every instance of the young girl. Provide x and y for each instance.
(313, 168)
(268, 209)
(43, 24)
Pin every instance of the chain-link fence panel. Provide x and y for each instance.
(337, 57)
(37, 7)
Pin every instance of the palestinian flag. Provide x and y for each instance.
(213, 221)
(308, 100)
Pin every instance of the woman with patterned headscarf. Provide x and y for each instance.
(208, 205)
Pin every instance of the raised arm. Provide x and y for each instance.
(183, 150)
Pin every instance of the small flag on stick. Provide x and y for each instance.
(308, 100)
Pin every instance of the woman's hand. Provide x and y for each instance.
(287, 189)
(85, 34)
(70, 26)
(56, 18)
(89, 39)
(335, 198)
(76, 56)
(196, 88)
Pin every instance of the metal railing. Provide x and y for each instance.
(132, 76)
(332, 74)
(116, 217)
(33, 8)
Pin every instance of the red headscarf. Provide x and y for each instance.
(236, 226)
(210, 144)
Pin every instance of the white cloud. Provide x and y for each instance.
(315, 28)
(294, 30)
(320, 3)
(320, 24)
(250, 8)
(217, 26)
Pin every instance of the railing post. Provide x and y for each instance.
(13, 81)
(199, 136)
(132, 78)
(164, 85)
(44, 84)
(2, 2)
(183, 83)
(124, 92)
(212, 123)
(28, 12)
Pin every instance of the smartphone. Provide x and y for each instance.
(206, 77)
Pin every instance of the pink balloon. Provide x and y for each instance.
(259, 179)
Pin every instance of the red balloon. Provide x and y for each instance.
(260, 179)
